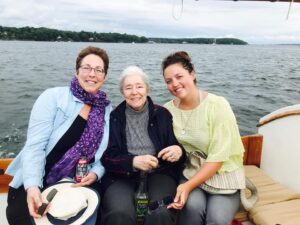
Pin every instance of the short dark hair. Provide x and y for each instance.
(180, 57)
(95, 51)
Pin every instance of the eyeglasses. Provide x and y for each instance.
(87, 70)
(155, 205)
(49, 198)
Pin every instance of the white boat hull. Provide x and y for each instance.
(281, 146)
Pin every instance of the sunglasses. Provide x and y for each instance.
(155, 205)
(49, 198)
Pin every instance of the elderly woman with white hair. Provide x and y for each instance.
(141, 141)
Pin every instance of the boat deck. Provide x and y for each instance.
(276, 201)
(3, 204)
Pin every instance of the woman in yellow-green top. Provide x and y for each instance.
(202, 122)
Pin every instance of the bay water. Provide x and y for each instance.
(255, 79)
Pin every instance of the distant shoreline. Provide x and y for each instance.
(54, 35)
(255, 44)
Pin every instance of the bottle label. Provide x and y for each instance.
(141, 207)
(141, 199)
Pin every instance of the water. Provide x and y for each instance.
(256, 80)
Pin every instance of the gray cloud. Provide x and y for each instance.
(255, 22)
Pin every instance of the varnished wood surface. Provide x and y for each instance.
(252, 155)
(279, 116)
(4, 179)
(253, 149)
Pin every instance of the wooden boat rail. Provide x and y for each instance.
(278, 116)
(4, 179)
(253, 149)
(252, 145)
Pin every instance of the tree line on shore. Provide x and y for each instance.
(46, 34)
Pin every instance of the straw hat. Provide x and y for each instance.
(70, 206)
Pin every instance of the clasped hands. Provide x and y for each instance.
(150, 162)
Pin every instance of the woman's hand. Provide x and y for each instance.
(87, 180)
(183, 190)
(182, 194)
(34, 201)
(171, 153)
(145, 162)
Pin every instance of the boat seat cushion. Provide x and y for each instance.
(277, 204)
(285, 213)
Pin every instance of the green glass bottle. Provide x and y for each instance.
(141, 199)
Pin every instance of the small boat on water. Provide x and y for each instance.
(271, 163)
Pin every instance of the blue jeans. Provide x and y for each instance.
(203, 208)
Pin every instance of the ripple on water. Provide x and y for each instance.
(26, 96)
(14, 137)
(255, 80)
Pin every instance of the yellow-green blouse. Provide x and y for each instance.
(212, 129)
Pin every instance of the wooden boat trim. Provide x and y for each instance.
(279, 116)
(252, 155)
(253, 149)
(4, 179)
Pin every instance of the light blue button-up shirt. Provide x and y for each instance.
(52, 114)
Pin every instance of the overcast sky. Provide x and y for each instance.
(254, 22)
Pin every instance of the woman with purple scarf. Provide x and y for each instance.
(66, 124)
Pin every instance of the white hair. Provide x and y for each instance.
(133, 70)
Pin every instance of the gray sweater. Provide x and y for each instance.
(138, 141)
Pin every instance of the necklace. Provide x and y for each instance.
(183, 130)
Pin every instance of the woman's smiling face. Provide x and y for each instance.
(89, 74)
(179, 80)
(135, 91)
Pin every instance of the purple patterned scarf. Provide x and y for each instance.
(91, 137)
